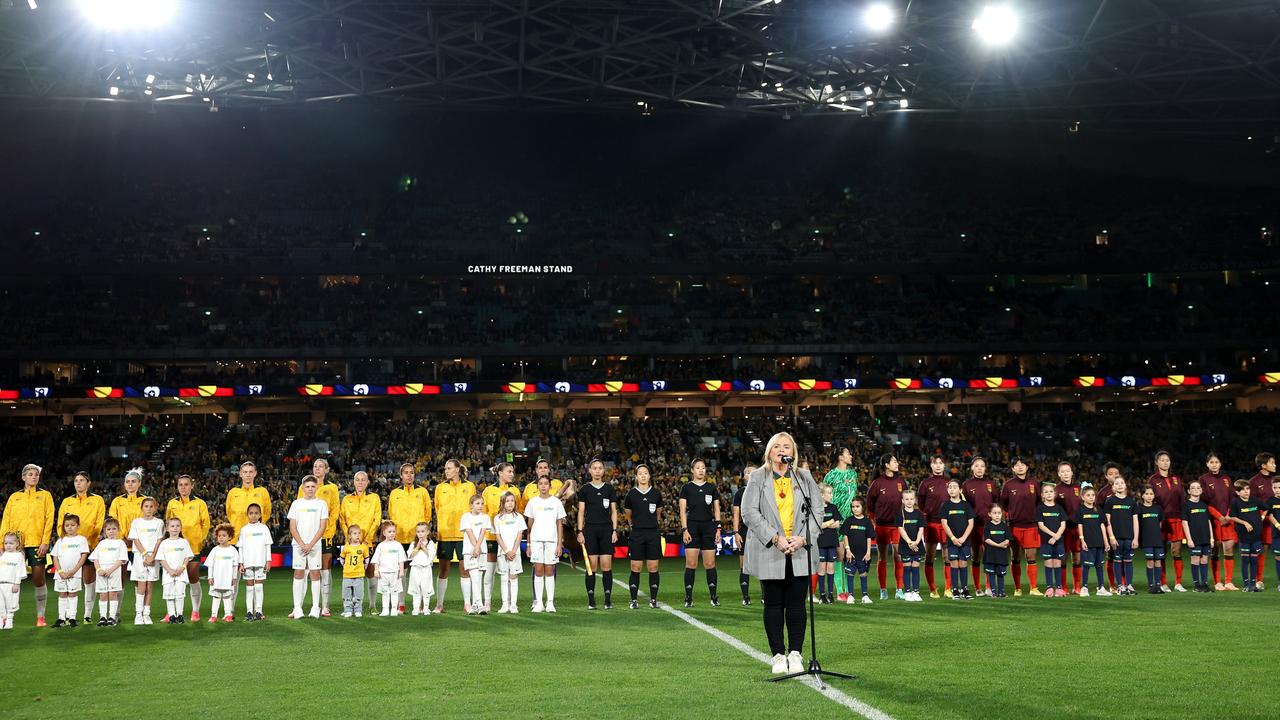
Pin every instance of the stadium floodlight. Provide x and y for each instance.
(903, 103)
(32, 4)
(127, 14)
(878, 17)
(113, 91)
(996, 24)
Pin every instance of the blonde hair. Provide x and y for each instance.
(502, 504)
(768, 447)
(355, 528)
(382, 529)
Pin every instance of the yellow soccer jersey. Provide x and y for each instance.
(91, 510)
(531, 492)
(194, 514)
(451, 502)
(493, 503)
(408, 508)
(354, 558)
(238, 502)
(30, 514)
(125, 509)
(365, 511)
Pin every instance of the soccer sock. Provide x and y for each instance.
(102, 608)
(316, 593)
(386, 603)
(1217, 570)
(194, 591)
(839, 578)
(991, 580)
(1000, 582)
(881, 571)
(42, 597)
(633, 583)
(822, 585)
(551, 589)
(1262, 564)
(976, 573)
(299, 592)
(515, 589)
(179, 603)
(539, 583)
(137, 603)
(442, 584)
(490, 570)
(326, 582)
(897, 570)
(1117, 576)
(591, 588)
(1076, 570)
(1229, 572)
(62, 607)
(1017, 575)
(466, 593)
(713, 579)
(688, 582)
(744, 582)
(90, 593)
(653, 586)
(929, 577)
(608, 585)
(1033, 573)
(831, 583)
(862, 580)
(506, 594)
(477, 589)
(1111, 573)
(1164, 571)
(1177, 569)
(257, 598)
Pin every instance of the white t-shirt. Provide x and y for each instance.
(109, 552)
(477, 523)
(545, 516)
(174, 551)
(255, 545)
(67, 550)
(224, 566)
(13, 567)
(311, 516)
(421, 558)
(148, 532)
(509, 527)
(389, 556)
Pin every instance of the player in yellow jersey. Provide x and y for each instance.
(362, 509)
(492, 506)
(240, 498)
(92, 511)
(563, 490)
(125, 509)
(408, 505)
(29, 513)
(328, 492)
(193, 513)
(453, 497)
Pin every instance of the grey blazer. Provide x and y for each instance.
(760, 513)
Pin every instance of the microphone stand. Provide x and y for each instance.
(815, 669)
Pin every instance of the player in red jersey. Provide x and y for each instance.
(1019, 496)
(1068, 495)
(1171, 495)
(1218, 492)
(884, 503)
(980, 491)
(932, 493)
(1260, 492)
(1110, 472)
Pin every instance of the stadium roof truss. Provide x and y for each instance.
(1117, 62)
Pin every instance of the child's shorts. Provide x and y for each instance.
(857, 567)
(72, 584)
(1251, 548)
(175, 587)
(142, 573)
(1153, 553)
(113, 583)
(912, 556)
(510, 567)
(1052, 551)
(390, 584)
(255, 573)
(1124, 553)
(995, 569)
(961, 552)
(1201, 550)
(827, 554)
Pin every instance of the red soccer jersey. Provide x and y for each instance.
(932, 492)
(1104, 492)
(1217, 493)
(1019, 498)
(1260, 489)
(1169, 493)
(1069, 496)
(981, 494)
(884, 499)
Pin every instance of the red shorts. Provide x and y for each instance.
(1173, 531)
(933, 535)
(886, 537)
(1072, 540)
(1266, 533)
(1027, 538)
(1225, 533)
(975, 538)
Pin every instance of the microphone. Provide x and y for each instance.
(787, 459)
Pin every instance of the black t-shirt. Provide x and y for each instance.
(1150, 525)
(598, 501)
(1094, 523)
(644, 508)
(1053, 517)
(829, 537)
(995, 532)
(698, 502)
(737, 502)
(1250, 512)
(1120, 511)
(1199, 521)
(910, 523)
(956, 514)
(858, 531)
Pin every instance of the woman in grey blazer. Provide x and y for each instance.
(775, 550)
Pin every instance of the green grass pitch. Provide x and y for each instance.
(1185, 655)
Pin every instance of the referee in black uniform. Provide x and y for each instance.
(643, 505)
(598, 531)
(700, 522)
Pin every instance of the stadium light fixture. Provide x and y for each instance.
(113, 91)
(996, 24)
(32, 4)
(903, 103)
(878, 17)
(127, 14)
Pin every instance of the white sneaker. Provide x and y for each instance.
(146, 619)
(1179, 588)
(779, 664)
(1260, 587)
(866, 599)
(315, 612)
(795, 663)
(359, 613)
(1084, 592)
(297, 614)
(346, 613)
(515, 610)
(1103, 592)
(1165, 588)
(851, 600)
(503, 610)
(537, 607)
(551, 607)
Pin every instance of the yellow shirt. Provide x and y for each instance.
(452, 500)
(91, 510)
(328, 492)
(365, 511)
(492, 503)
(194, 514)
(531, 492)
(354, 558)
(125, 510)
(238, 502)
(407, 508)
(786, 499)
(30, 514)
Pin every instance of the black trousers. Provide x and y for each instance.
(784, 603)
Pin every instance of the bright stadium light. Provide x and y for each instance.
(878, 17)
(996, 24)
(127, 14)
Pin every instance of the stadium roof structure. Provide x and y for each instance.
(1120, 63)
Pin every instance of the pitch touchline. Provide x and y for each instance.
(831, 693)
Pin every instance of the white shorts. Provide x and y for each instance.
(175, 588)
(69, 585)
(543, 553)
(114, 583)
(422, 582)
(309, 561)
(390, 584)
(474, 563)
(221, 593)
(141, 573)
(510, 567)
(255, 573)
